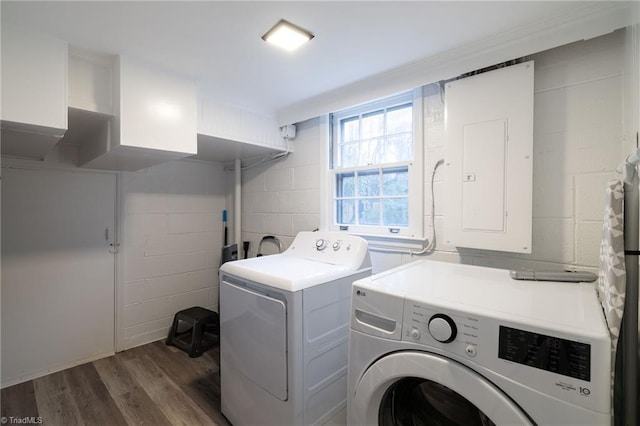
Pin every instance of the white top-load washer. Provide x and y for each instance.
(284, 329)
(450, 344)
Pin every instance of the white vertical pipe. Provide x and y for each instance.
(237, 214)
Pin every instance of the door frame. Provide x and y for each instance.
(118, 335)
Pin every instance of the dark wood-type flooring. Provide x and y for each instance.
(152, 385)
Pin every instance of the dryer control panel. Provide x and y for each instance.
(335, 248)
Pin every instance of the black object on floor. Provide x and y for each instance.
(203, 328)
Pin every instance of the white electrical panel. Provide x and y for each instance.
(489, 145)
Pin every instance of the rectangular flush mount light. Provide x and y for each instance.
(287, 36)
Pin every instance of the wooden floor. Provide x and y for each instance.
(152, 384)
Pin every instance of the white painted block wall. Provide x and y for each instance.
(172, 241)
(284, 199)
(577, 145)
(578, 125)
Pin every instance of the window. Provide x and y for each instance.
(376, 167)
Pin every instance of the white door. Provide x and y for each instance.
(57, 270)
(423, 388)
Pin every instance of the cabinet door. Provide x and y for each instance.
(57, 270)
(157, 109)
(34, 79)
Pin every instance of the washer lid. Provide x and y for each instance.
(285, 272)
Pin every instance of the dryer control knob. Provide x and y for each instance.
(336, 246)
(442, 328)
(321, 244)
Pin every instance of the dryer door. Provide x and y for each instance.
(254, 337)
(420, 388)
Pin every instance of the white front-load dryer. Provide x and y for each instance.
(438, 343)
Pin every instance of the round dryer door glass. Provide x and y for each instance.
(415, 401)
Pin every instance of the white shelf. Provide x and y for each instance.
(221, 150)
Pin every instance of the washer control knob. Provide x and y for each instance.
(442, 328)
(336, 246)
(321, 244)
(415, 334)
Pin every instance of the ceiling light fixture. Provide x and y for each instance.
(287, 36)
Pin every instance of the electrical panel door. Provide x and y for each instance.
(489, 144)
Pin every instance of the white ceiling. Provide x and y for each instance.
(218, 43)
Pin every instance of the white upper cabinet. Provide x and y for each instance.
(34, 92)
(157, 110)
(155, 120)
(120, 113)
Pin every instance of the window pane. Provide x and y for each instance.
(369, 212)
(349, 155)
(346, 184)
(350, 129)
(395, 181)
(400, 119)
(396, 211)
(346, 212)
(368, 183)
(373, 124)
(371, 152)
(398, 148)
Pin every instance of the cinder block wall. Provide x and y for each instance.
(284, 198)
(578, 132)
(578, 143)
(172, 242)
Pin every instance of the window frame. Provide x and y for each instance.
(415, 227)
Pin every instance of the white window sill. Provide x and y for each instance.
(399, 243)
